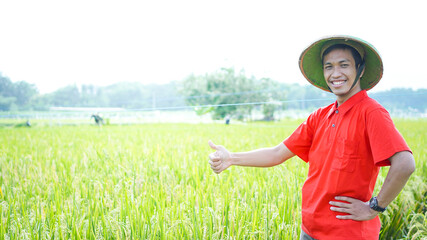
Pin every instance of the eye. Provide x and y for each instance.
(344, 65)
(327, 67)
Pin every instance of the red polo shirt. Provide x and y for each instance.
(344, 147)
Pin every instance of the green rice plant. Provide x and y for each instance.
(402, 218)
(153, 181)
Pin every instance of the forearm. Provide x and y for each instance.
(402, 166)
(264, 157)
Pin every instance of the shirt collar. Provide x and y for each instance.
(347, 105)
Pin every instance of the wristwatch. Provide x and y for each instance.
(373, 204)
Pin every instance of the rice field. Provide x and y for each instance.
(153, 181)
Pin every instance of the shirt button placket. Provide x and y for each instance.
(333, 124)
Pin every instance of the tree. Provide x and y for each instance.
(24, 92)
(7, 103)
(274, 93)
(6, 99)
(15, 95)
(5, 86)
(68, 96)
(226, 91)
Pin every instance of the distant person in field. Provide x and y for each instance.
(98, 119)
(345, 144)
(227, 120)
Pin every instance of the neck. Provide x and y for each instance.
(342, 98)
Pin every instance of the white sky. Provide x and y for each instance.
(57, 43)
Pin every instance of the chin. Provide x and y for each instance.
(339, 92)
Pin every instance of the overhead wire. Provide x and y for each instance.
(229, 104)
(263, 102)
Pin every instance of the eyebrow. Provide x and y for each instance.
(342, 61)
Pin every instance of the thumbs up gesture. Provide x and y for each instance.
(220, 159)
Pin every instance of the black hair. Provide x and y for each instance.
(354, 52)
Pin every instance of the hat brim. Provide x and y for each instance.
(311, 66)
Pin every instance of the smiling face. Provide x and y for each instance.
(339, 70)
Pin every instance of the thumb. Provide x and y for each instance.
(212, 145)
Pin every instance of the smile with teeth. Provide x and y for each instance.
(337, 83)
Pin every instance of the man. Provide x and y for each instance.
(344, 143)
(98, 119)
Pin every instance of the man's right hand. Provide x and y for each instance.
(220, 159)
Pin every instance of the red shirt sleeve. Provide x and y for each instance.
(299, 142)
(384, 139)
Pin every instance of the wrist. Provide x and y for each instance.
(233, 159)
(373, 204)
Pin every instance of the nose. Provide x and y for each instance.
(336, 73)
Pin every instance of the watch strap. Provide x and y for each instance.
(373, 204)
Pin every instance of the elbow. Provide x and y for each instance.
(410, 166)
(276, 160)
(280, 160)
(408, 170)
(281, 154)
(406, 163)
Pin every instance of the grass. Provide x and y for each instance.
(153, 181)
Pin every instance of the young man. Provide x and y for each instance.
(344, 143)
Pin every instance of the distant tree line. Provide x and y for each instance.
(403, 99)
(222, 93)
(18, 95)
(119, 95)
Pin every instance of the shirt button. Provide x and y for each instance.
(336, 111)
(333, 125)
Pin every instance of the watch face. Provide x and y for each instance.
(372, 202)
